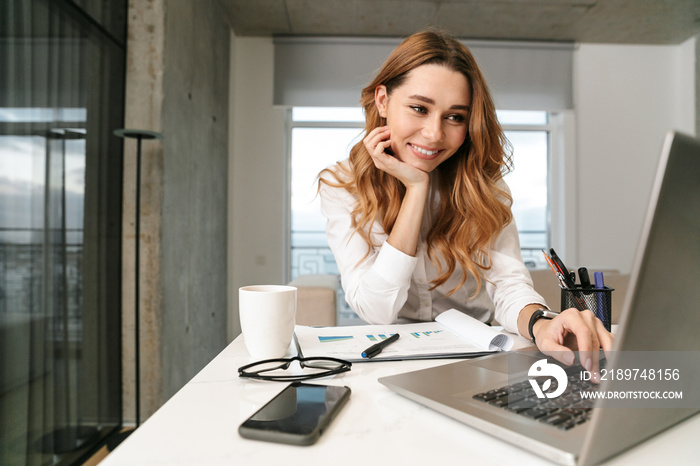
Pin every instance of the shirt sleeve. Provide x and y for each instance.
(508, 281)
(375, 283)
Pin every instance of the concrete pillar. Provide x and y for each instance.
(176, 84)
(144, 102)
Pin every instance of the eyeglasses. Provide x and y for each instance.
(313, 368)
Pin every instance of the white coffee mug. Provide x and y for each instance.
(268, 314)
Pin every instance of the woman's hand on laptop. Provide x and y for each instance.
(571, 331)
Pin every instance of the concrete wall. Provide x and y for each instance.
(626, 98)
(177, 84)
(195, 186)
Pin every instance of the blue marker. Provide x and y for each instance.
(601, 310)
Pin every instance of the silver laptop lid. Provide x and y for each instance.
(664, 292)
(662, 306)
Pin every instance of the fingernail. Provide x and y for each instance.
(569, 358)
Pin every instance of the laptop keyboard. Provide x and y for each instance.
(563, 412)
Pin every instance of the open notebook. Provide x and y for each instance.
(453, 335)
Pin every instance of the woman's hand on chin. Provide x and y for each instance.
(377, 142)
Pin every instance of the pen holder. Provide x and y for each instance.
(598, 300)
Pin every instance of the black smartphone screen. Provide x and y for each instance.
(297, 415)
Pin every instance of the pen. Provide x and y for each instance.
(601, 309)
(374, 350)
(598, 278)
(555, 270)
(583, 276)
(563, 282)
(562, 268)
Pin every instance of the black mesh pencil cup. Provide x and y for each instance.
(598, 300)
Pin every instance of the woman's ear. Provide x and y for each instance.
(381, 99)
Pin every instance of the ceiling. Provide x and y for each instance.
(595, 21)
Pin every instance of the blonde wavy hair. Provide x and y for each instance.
(473, 209)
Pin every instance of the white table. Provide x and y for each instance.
(199, 426)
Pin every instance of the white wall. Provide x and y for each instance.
(626, 98)
(257, 198)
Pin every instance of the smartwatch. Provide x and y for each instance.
(541, 313)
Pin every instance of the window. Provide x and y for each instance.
(321, 136)
(529, 132)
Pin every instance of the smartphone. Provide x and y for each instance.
(297, 415)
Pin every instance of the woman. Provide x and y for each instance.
(419, 217)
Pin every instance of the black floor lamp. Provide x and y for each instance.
(139, 135)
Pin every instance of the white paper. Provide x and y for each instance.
(479, 333)
(420, 340)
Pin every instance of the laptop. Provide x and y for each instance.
(660, 314)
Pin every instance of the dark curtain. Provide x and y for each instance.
(61, 95)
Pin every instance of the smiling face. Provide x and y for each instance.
(427, 114)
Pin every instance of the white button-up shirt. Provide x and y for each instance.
(388, 285)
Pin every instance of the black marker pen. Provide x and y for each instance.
(583, 276)
(374, 350)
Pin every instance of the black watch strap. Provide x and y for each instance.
(540, 313)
